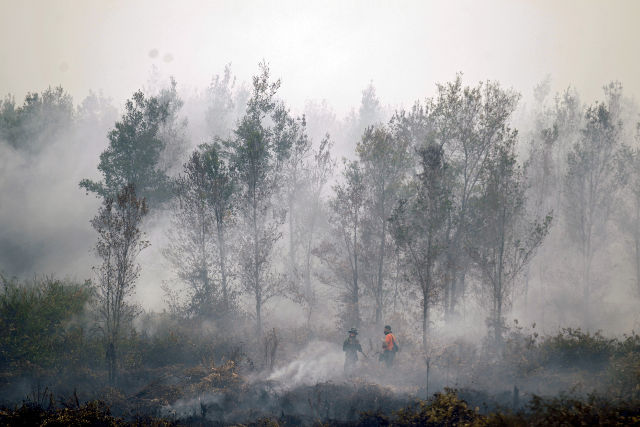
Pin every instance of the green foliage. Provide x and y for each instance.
(624, 369)
(611, 364)
(38, 120)
(36, 321)
(572, 347)
(198, 249)
(445, 409)
(134, 152)
(592, 411)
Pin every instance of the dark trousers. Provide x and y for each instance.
(388, 357)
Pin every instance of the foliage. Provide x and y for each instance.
(340, 254)
(37, 322)
(445, 409)
(419, 227)
(504, 240)
(134, 152)
(386, 161)
(202, 214)
(592, 411)
(42, 117)
(591, 186)
(261, 144)
(120, 241)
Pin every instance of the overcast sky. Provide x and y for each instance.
(321, 50)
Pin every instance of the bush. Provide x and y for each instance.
(445, 409)
(35, 323)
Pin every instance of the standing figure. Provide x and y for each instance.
(351, 347)
(389, 347)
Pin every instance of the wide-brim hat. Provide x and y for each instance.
(353, 331)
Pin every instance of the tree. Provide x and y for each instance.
(369, 114)
(418, 226)
(95, 115)
(341, 255)
(590, 186)
(628, 219)
(221, 201)
(120, 240)
(504, 240)
(385, 161)
(134, 152)
(191, 238)
(220, 110)
(310, 214)
(41, 118)
(201, 215)
(172, 131)
(556, 130)
(258, 151)
(467, 122)
(294, 184)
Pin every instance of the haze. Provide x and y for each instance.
(321, 50)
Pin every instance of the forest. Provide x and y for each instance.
(231, 243)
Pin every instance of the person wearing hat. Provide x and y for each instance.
(389, 347)
(351, 347)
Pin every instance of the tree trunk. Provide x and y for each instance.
(258, 316)
(356, 290)
(223, 265)
(379, 288)
(292, 261)
(425, 320)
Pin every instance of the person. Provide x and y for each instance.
(389, 347)
(351, 347)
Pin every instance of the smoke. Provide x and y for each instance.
(319, 361)
(44, 216)
(192, 407)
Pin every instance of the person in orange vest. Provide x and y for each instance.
(389, 347)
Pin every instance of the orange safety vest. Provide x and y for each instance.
(388, 341)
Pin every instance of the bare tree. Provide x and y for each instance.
(120, 240)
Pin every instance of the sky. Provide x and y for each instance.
(322, 50)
